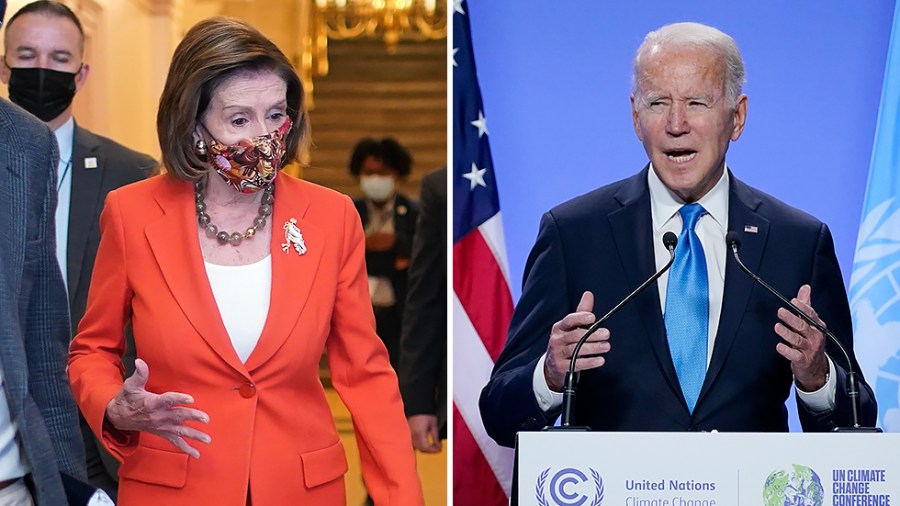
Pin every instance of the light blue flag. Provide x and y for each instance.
(875, 283)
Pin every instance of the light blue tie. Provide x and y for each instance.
(687, 307)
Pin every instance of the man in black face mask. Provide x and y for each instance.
(44, 68)
(43, 65)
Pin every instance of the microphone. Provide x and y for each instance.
(734, 242)
(670, 240)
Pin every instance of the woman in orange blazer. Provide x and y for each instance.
(229, 327)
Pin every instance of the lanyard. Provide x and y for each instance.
(65, 173)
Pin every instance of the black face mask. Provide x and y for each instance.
(43, 92)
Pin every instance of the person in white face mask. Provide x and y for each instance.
(389, 219)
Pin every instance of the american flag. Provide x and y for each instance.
(482, 303)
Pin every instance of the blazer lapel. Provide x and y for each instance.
(632, 228)
(292, 274)
(14, 194)
(175, 243)
(13, 188)
(742, 205)
(11, 171)
(87, 170)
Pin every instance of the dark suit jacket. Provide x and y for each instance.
(34, 329)
(423, 342)
(99, 165)
(602, 242)
(115, 166)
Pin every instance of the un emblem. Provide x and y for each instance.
(569, 487)
(875, 304)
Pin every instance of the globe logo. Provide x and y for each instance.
(875, 304)
(796, 486)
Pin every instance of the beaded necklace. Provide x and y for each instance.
(265, 210)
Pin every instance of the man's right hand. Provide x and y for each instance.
(425, 435)
(134, 408)
(563, 337)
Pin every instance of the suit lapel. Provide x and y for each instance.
(632, 228)
(742, 205)
(17, 188)
(175, 243)
(11, 171)
(292, 274)
(85, 201)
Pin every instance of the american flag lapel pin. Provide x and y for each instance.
(751, 229)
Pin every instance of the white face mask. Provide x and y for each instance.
(377, 188)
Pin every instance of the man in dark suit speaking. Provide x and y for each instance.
(703, 349)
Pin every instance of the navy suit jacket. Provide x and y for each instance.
(34, 318)
(602, 242)
(382, 263)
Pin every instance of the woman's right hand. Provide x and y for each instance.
(134, 408)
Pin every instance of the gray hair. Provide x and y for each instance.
(695, 35)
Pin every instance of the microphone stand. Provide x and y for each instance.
(852, 382)
(570, 383)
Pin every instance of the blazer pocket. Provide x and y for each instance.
(324, 465)
(157, 467)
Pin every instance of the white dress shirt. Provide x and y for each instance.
(12, 459)
(710, 229)
(65, 138)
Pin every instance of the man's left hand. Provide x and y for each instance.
(803, 344)
(425, 435)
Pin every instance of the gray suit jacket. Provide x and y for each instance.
(34, 326)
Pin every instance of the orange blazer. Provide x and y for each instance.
(270, 424)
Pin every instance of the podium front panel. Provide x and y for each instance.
(707, 469)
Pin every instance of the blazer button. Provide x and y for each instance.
(247, 390)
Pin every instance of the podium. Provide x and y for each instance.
(706, 469)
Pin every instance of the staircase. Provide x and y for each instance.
(371, 93)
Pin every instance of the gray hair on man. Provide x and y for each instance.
(695, 35)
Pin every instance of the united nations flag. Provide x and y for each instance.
(875, 283)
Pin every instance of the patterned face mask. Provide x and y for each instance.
(251, 164)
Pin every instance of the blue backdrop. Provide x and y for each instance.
(555, 79)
